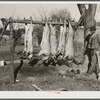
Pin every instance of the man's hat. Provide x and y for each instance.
(92, 28)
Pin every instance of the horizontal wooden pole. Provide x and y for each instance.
(36, 22)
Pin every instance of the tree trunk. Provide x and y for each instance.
(12, 41)
(88, 21)
(89, 16)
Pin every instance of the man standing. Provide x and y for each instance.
(92, 47)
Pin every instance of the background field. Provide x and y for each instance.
(47, 78)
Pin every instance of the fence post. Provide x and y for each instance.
(12, 42)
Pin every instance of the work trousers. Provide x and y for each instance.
(93, 66)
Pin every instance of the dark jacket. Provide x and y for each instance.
(93, 41)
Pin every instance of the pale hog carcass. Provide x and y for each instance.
(45, 43)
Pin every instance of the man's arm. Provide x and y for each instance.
(98, 37)
(85, 46)
(86, 43)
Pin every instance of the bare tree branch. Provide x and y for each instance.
(80, 21)
(13, 13)
(44, 12)
(34, 15)
(81, 8)
(41, 15)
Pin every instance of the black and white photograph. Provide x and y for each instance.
(49, 46)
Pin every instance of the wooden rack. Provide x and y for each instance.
(27, 21)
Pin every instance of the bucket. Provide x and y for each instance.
(2, 63)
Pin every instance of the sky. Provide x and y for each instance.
(21, 10)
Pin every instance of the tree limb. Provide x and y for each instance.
(79, 22)
(92, 9)
(81, 8)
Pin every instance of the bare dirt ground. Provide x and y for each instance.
(46, 78)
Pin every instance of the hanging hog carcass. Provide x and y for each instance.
(28, 40)
(45, 43)
(25, 38)
(61, 46)
(53, 40)
(60, 39)
(69, 48)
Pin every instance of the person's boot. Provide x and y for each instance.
(88, 73)
(98, 76)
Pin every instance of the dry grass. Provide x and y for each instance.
(46, 78)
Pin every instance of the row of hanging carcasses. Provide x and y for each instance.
(28, 40)
(49, 45)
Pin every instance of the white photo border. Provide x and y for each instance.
(48, 94)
